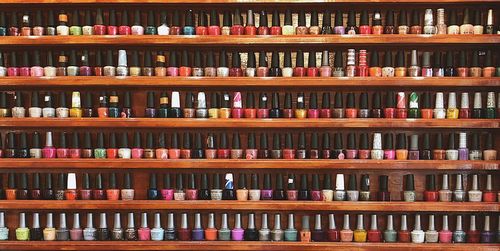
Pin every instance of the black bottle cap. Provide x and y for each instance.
(86, 181)
(430, 182)
(466, 18)
(162, 140)
(279, 181)
(2, 19)
(192, 181)
(299, 59)
(383, 183)
(254, 182)
(48, 181)
(124, 141)
(75, 20)
(327, 18)
(388, 141)
(262, 59)
(149, 141)
(34, 99)
(449, 59)
(202, 18)
(186, 140)
(62, 140)
(276, 141)
(251, 60)
(216, 181)
(363, 100)
(388, 59)
(374, 62)
(2, 59)
(311, 63)
(13, 59)
(189, 100)
(339, 18)
(204, 181)
(147, 59)
(326, 141)
(151, 100)
(72, 58)
(288, 18)
(188, 18)
(223, 59)
(426, 145)
(376, 101)
(475, 59)
(100, 140)
(325, 101)
(12, 181)
(276, 101)
(287, 59)
(415, 18)
(263, 141)
(88, 17)
(109, 58)
(276, 18)
(237, 18)
(98, 182)
(127, 181)
(339, 144)
(24, 141)
(426, 100)
(87, 100)
(301, 18)
(409, 182)
(389, 18)
(402, 18)
(172, 59)
(36, 58)
(314, 18)
(339, 103)
(251, 141)
(351, 18)
(352, 185)
(462, 61)
(226, 19)
(61, 181)
(363, 141)
(302, 141)
(314, 140)
(475, 142)
(351, 141)
(112, 17)
(389, 100)
(167, 181)
(489, 142)
(184, 58)
(98, 58)
(50, 18)
(214, 18)
(225, 100)
(26, 61)
(452, 18)
(236, 141)
(236, 60)
(315, 182)
(351, 100)
(74, 142)
(451, 141)
(439, 141)
(223, 141)
(338, 59)
(488, 62)
(400, 59)
(303, 182)
(291, 182)
(112, 140)
(401, 141)
(179, 181)
(214, 100)
(365, 182)
(197, 59)
(112, 181)
(288, 141)
(24, 181)
(262, 101)
(275, 60)
(300, 100)
(3, 100)
(364, 18)
(87, 141)
(250, 101)
(135, 60)
(267, 182)
(175, 19)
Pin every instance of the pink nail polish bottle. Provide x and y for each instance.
(13, 70)
(49, 151)
(137, 151)
(389, 152)
(445, 235)
(352, 150)
(191, 191)
(167, 193)
(144, 231)
(24, 70)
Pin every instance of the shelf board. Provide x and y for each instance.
(250, 82)
(238, 245)
(244, 123)
(234, 1)
(284, 40)
(253, 205)
(230, 164)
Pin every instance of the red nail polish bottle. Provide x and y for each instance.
(75, 151)
(401, 111)
(185, 68)
(87, 151)
(364, 24)
(276, 26)
(473, 235)
(263, 151)
(326, 152)
(299, 70)
(430, 193)
(97, 70)
(374, 234)
(350, 111)
(235, 70)
(389, 110)
(250, 111)
(237, 27)
(362, 69)
(288, 112)
(333, 233)
(112, 193)
(325, 111)
(289, 151)
(214, 28)
(184, 231)
(383, 193)
(175, 29)
(112, 150)
(99, 28)
(312, 70)
(352, 150)
(223, 152)
(35, 193)
(415, 27)
(262, 70)
(70, 193)
(112, 29)
(263, 24)
(250, 28)
(62, 151)
(263, 111)
(488, 194)
(237, 109)
(291, 193)
(98, 192)
(364, 151)
(313, 112)
(124, 28)
(191, 191)
(202, 28)
(85, 192)
(403, 233)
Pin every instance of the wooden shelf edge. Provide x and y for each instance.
(245, 123)
(50, 164)
(142, 40)
(395, 206)
(246, 82)
(237, 245)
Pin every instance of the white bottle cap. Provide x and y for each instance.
(452, 100)
(122, 58)
(490, 101)
(237, 100)
(176, 100)
(351, 57)
(71, 181)
(462, 140)
(339, 182)
(428, 18)
(202, 103)
(464, 100)
(478, 102)
(439, 100)
(377, 141)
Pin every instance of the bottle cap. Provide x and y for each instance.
(157, 223)
(373, 222)
(211, 221)
(291, 182)
(377, 141)
(445, 182)
(24, 181)
(36, 181)
(360, 224)
(276, 142)
(430, 182)
(216, 181)
(351, 18)
(197, 220)
(451, 141)
(475, 142)
(459, 182)
(472, 223)
(90, 222)
(192, 181)
(486, 224)
(417, 222)
(462, 140)
(390, 223)
(152, 181)
(98, 182)
(490, 101)
(339, 182)
(117, 221)
(363, 141)
(445, 223)
(388, 141)
(301, 18)
(24, 141)
(466, 19)
(170, 221)
(122, 58)
(400, 59)
(229, 181)
(409, 182)
(365, 182)
(437, 60)
(383, 183)
(346, 222)
(464, 100)
(186, 140)
(76, 221)
(166, 181)
(204, 181)
(338, 62)
(404, 226)
(414, 142)
(112, 18)
(475, 182)
(489, 142)
(144, 220)
(277, 222)
(426, 145)
(288, 101)
(62, 221)
(339, 103)
(71, 181)
(50, 221)
(478, 103)
(236, 141)
(350, 100)
(459, 223)
(179, 182)
(86, 181)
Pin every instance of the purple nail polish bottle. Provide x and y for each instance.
(487, 235)
(197, 232)
(463, 151)
(237, 232)
(267, 191)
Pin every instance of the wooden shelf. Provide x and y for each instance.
(238, 245)
(181, 40)
(235, 1)
(229, 164)
(250, 82)
(244, 123)
(251, 205)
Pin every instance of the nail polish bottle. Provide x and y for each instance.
(445, 194)
(18, 110)
(84, 69)
(415, 27)
(466, 27)
(222, 69)
(72, 69)
(364, 151)
(445, 235)
(475, 70)
(98, 192)
(163, 110)
(350, 110)
(192, 191)
(377, 28)
(277, 234)
(303, 193)
(426, 64)
(24, 70)
(225, 108)
(463, 66)
(89, 232)
(352, 190)
(144, 233)
(383, 194)
(153, 188)
(325, 111)
(315, 191)
(111, 151)
(363, 112)
(36, 233)
(185, 69)
(197, 233)
(3, 69)
(117, 231)
(48, 111)
(22, 232)
(417, 235)
(109, 69)
(137, 28)
(23, 151)
(351, 28)
(338, 152)
(364, 194)
(179, 193)
(276, 25)
(62, 233)
(130, 233)
(237, 24)
(279, 192)
(263, 152)
(262, 70)
(389, 152)
(85, 193)
(75, 28)
(211, 232)
(390, 235)
(475, 152)
(291, 193)
(360, 233)
(339, 194)
(198, 151)
(49, 232)
(301, 28)
(388, 68)
(228, 193)
(204, 193)
(170, 233)
(150, 28)
(409, 191)
(70, 193)
(431, 235)
(184, 231)
(429, 27)
(289, 150)
(290, 233)
(263, 24)
(135, 69)
(288, 112)
(60, 188)
(275, 70)
(35, 193)
(473, 235)
(237, 233)
(452, 112)
(167, 192)
(403, 233)
(137, 152)
(36, 70)
(175, 28)
(346, 234)
(486, 234)
(364, 24)
(157, 231)
(254, 193)
(488, 194)
(288, 28)
(35, 150)
(459, 193)
(147, 68)
(459, 236)
(449, 70)
(338, 65)
(401, 150)
(13, 69)
(430, 193)
(475, 195)
(223, 152)
(374, 234)
(451, 152)
(414, 153)
(463, 151)
(414, 69)
(438, 70)
(490, 28)
(211, 146)
(400, 69)
(160, 69)
(22, 190)
(242, 193)
(377, 152)
(124, 152)
(276, 152)
(224, 233)
(214, 27)
(301, 147)
(299, 70)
